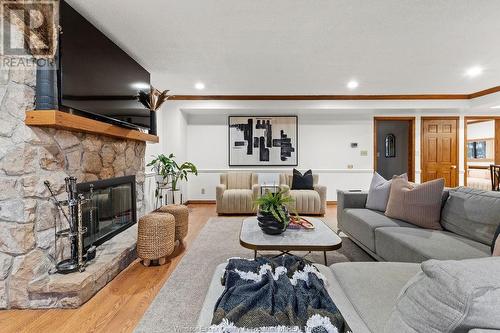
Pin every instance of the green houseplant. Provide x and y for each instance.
(168, 171)
(273, 215)
(181, 172)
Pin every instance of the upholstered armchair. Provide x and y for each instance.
(236, 193)
(307, 202)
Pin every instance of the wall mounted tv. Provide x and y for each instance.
(96, 78)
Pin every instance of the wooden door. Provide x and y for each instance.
(497, 141)
(440, 150)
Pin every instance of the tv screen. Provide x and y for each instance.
(96, 76)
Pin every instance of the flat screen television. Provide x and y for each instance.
(97, 78)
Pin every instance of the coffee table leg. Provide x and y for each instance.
(324, 257)
(255, 254)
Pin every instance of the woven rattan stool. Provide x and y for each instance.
(156, 237)
(181, 214)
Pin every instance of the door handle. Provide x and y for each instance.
(453, 167)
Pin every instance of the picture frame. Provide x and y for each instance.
(263, 140)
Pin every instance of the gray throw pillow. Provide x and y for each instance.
(378, 194)
(471, 213)
(449, 296)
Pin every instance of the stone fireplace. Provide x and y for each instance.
(28, 157)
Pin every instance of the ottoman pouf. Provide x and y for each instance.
(181, 215)
(156, 237)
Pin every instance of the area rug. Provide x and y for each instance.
(178, 304)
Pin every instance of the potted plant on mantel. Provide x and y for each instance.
(273, 215)
(169, 172)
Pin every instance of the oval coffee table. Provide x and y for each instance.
(321, 238)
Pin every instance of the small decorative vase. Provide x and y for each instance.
(269, 224)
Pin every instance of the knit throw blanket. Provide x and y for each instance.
(284, 294)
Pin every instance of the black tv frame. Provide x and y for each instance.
(88, 114)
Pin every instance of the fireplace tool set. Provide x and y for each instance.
(76, 230)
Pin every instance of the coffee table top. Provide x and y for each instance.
(321, 238)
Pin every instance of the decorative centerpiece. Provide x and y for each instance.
(273, 215)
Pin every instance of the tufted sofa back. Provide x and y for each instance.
(239, 180)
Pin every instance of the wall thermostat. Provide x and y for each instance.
(354, 145)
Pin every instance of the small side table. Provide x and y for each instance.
(265, 188)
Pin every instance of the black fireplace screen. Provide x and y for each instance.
(111, 210)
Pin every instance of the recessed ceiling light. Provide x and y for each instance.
(474, 71)
(496, 107)
(199, 85)
(353, 84)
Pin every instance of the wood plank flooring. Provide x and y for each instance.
(120, 305)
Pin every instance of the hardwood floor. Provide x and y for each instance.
(120, 305)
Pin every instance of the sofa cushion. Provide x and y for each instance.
(237, 201)
(306, 201)
(417, 245)
(378, 194)
(450, 296)
(366, 293)
(417, 204)
(474, 214)
(361, 223)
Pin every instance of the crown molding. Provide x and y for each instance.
(335, 97)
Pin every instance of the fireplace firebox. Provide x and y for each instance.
(111, 210)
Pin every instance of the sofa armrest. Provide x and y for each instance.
(346, 199)
(255, 191)
(219, 191)
(322, 197)
(285, 189)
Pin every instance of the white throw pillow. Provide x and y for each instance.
(449, 296)
(378, 194)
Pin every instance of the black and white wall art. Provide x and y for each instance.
(261, 141)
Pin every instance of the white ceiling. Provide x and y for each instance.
(307, 47)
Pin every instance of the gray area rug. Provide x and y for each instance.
(177, 305)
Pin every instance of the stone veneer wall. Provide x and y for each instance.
(28, 157)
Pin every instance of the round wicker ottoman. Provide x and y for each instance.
(156, 237)
(181, 214)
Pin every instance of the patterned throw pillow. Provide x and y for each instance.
(302, 182)
(416, 204)
(378, 194)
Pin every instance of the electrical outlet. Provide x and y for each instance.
(350, 166)
(202, 191)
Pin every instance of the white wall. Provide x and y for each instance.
(324, 146)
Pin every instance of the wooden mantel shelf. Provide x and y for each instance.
(71, 122)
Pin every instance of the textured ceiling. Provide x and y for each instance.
(307, 47)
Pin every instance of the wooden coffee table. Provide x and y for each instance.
(321, 238)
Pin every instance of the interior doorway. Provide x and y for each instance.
(394, 146)
(439, 149)
(482, 148)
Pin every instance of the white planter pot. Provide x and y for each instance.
(175, 197)
(159, 178)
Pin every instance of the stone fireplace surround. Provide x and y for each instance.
(28, 157)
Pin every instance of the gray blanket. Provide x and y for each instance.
(281, 294)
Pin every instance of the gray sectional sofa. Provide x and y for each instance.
(468, 217)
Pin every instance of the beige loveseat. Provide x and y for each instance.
(307, 202)
(236, 193)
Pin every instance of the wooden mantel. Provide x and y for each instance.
(71, 122)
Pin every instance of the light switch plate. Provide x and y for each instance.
(364, 153)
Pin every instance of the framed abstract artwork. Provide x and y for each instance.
(263, 141)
